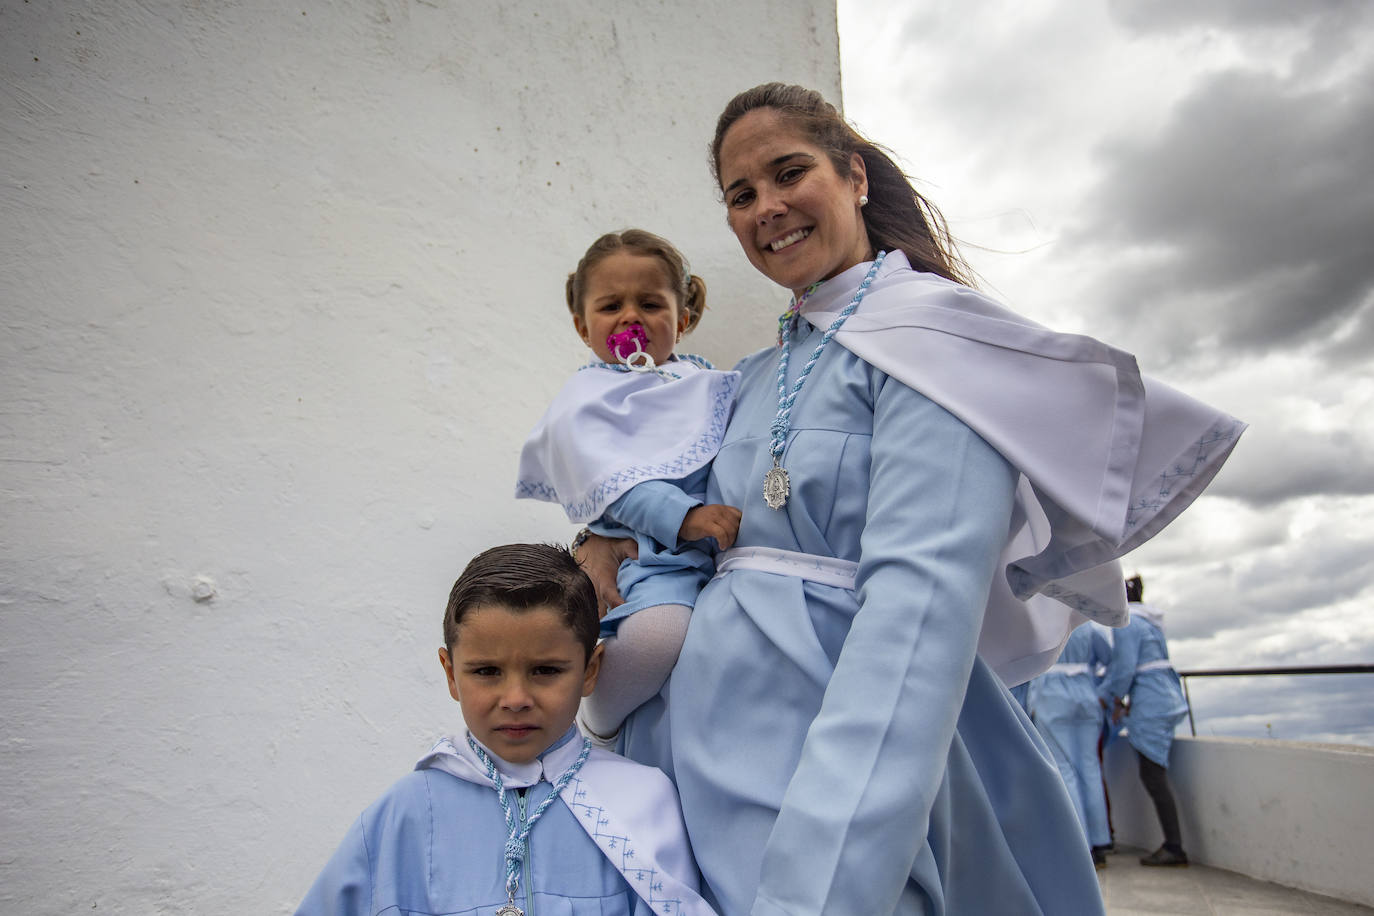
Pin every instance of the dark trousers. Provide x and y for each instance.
(1156, 780)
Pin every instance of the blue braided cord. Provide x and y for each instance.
(783, 421)
(517, 841)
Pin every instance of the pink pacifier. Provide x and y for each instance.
(628, 346)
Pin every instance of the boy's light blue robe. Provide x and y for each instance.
(434, 843)
(1157, 702)
(1066, 710)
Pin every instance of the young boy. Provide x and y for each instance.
(517, 814)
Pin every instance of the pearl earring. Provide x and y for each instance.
(863, 200)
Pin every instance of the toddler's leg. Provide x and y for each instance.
(637, 660)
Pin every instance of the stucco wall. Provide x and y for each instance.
(282, 293)
(1293, 813)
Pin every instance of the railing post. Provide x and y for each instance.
(1187, 698)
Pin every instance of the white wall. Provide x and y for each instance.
(281, 288)
(1296, 814)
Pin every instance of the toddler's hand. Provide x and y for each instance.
(714, 521)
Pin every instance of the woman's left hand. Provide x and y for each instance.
(600, 558)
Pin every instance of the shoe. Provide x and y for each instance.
(1165, 856)
(1099, 858)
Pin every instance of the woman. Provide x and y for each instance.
(916, 487)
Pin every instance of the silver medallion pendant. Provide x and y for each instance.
(510, 909)
(776, 487)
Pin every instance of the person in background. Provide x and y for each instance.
(1066, 709)
(1142, 685)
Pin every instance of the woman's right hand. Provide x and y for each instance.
(600, 558)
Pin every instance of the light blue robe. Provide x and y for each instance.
(665, 571)
(627, 452)
(1021, 694)
(1157, 702)
(435, 844)
(844, 751)
(1066, 710)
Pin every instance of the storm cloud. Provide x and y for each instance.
(1252, 208)
(1188, 179)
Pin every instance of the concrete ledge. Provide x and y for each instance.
(1293, 813)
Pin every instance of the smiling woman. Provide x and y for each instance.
(795, 214)
(934, 493)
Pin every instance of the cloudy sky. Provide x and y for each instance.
(1192, 180)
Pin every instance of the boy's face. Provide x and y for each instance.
(519, 676)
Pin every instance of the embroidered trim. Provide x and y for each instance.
(1146, 507)
(692, 358)
(694, 456)
(616, 847)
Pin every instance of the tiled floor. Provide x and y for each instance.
(1130, 889)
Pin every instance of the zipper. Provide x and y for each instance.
(525, 866)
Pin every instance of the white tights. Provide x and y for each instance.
(636, 663)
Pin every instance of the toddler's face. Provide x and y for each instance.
(625, 289)
(519, 676)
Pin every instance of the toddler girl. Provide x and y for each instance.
(626, 446)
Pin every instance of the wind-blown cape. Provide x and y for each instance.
(1107, 456)
(608, 430)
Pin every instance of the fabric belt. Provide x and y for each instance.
(1159, 664)
(1069, 668)
(825, 570)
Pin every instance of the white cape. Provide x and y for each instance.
(1107, 457)
(608, 430)
(646, 841)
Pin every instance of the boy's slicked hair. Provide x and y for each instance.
(521, 577)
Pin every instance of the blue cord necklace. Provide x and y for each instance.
(517, 838)
(777, 486)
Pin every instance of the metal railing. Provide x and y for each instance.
(1251, 672)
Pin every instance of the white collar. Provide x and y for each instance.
(453, 755)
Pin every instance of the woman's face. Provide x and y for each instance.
(796, 217)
